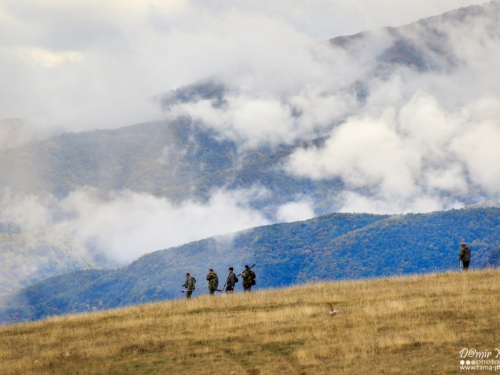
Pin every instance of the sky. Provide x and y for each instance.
(419, 143)
(78, 65)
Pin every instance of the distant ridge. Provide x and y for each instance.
(331, 247)
(182, 159)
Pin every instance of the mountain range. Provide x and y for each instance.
(181, 158)
(331, 247)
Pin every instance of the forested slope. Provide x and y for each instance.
(331, 247)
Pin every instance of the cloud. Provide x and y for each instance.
(420, 149)
(266, 120)
(16, 132)
(424, 140)
(412, 157)
(92, 229)
(89, 64)
(395, 134)
(359, 203)
(125, 225)
(477, 148)
(362, 152)
(298, 210)
(31, 212)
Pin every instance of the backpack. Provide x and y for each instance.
(236, 279)
(253, 275)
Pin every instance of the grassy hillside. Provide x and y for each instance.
(336, 246)
(411, 325)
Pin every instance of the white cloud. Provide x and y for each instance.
(362, 151)
(478, 149)
(295, 211)
(30, 212)
(359, 203)
(130, 224)
(254, 121)
(411, 154)
(96, 64)
(124, 225)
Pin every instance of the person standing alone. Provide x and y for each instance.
(464, 256)
(213, 282)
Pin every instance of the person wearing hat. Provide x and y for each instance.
(231, 281)
(248, 276)
(464, 256)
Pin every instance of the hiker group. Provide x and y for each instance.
(248, 276)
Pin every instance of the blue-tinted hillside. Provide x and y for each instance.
(331, 247)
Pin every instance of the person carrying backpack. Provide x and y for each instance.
(464, 256)
(248, 279)
(213, 282)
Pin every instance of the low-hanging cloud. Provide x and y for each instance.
(266, 120)
(396, 135)
(125, 225)
(92, 229)
(412, 142)
(89, 64)
(298, 210)
(424, 140)
(419, 157)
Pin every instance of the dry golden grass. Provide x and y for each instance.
(413, 325)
